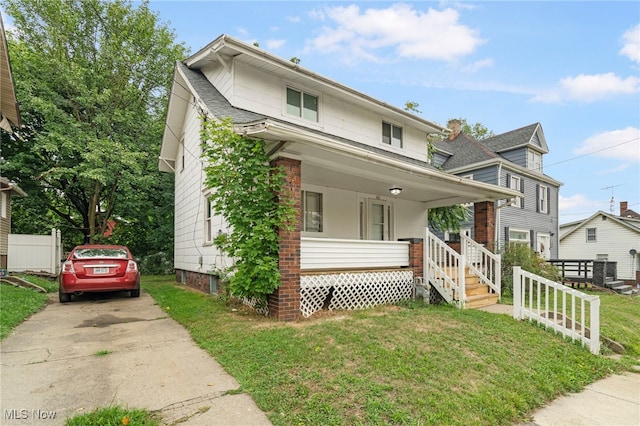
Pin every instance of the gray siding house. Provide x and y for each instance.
(513, 160)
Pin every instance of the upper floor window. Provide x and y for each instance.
(392, 135)
(543, 199)
(516, 182)
(302, 104)
(312, 208)
(534, 161)
(591, 235)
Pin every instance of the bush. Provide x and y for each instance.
(530, 261)
(157, 264)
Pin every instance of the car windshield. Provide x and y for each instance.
(112, 253)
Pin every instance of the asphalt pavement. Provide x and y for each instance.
(110, 349)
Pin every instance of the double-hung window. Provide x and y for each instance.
(302, 104)
(392, 135)
(591, 235)
(534, 161)
(208, 221)
(516, 182)
(312, 208)
(543, 199)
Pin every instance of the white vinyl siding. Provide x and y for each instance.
(322, 253)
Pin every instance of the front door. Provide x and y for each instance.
(379, 220)
(543, 245)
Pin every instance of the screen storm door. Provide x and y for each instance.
(379, 220)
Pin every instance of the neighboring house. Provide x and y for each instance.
(605, 236)
(9, 116)
(514, 160)
(356, 168)
(7, 190)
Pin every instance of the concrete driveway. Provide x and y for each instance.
(110, 349)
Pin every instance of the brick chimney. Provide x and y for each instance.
(624, 206)
(456, 126)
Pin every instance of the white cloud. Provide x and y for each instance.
(616, 144)
(575, 201)
(294, 19)
(617, 169)
(631, 48)
(411, 33)
(478, 65)
(589, 88)
(275, 44)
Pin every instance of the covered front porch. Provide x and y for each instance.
(352, 228)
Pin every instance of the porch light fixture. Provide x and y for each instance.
(395, 191)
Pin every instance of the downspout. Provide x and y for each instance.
(496, 229)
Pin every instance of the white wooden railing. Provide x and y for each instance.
(444, 269)
(558, 307)
(483, 263)
(331, 253)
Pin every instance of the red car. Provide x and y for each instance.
(96, 268)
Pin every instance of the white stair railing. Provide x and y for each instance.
(444, 269)
(558, 307)
(483, 263)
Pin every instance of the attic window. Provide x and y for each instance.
(534, 161)
(392, 135)
(302, 104)
(591, 235)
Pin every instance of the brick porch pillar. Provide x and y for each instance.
(484, 218)
(416, 255)
(284, 303)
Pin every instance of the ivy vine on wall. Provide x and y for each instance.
(243, 191)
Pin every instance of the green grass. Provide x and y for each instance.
(620, 320)
(410, 364)
(17, 304)
(103, 352)
(114, 416)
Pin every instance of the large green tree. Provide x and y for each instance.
(92, 78)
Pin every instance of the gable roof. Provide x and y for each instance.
(531, 136)
(464, 150)
(628, 223)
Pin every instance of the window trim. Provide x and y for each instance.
(392, 127)
(518, 241)
(594, 237)
(543, 199)
(208, 236)
(532, 156)
(519, 201)
(302, 93)
(303, 203)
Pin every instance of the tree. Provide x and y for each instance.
(478, 131)
(92, 77)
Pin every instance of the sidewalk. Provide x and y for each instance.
(613, 401)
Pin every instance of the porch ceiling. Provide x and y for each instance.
(329, 163)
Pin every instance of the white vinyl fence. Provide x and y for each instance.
(558, 307)
(36, 253)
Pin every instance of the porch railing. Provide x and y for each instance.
(558, 307)
(482, 263)
(335, 254)
(444, 269)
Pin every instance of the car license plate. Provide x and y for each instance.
(100, 270)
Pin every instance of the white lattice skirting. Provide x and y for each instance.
(354, 290)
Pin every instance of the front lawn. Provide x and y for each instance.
(17, 303)
(410, 364)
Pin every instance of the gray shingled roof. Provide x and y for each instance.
(217, 104)
(220, 107)
(511, 139)
(465, 150)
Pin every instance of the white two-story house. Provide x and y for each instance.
(356, 167)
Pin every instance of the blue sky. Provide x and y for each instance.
(572, 66)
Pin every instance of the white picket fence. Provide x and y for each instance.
(36, 253)
(558, 307)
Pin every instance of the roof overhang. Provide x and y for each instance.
(11, 187)
(506, 164)
(328, 162)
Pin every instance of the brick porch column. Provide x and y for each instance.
(284, 303)
(416, 255)
(484, 218)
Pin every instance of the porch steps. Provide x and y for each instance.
(478, 295)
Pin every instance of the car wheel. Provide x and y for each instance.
(135, 293)
(64, 297)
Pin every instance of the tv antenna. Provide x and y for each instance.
(612, 204)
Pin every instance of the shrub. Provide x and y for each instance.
(156, 264)
(523, 256)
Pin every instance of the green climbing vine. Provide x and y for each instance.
(243, 191)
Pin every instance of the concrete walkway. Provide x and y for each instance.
(613, 401)
(106, 350)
